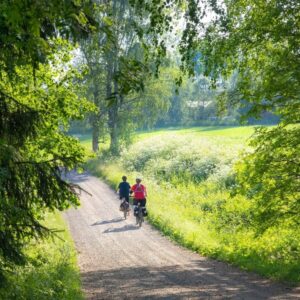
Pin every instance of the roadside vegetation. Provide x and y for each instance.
(51, 271)
(191, 180)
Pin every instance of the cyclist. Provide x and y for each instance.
(140, 193)
(124, 189)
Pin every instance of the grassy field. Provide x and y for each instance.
(190, 176)
(51, 272)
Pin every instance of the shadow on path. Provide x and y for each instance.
(115, 220)
(121, 229)
(76, 177)
(195, 281)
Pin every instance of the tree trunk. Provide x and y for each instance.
(95, 120)
(113, 110)
(114, 140)
(113, 118)
(95, 138)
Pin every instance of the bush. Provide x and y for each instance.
(181, 158)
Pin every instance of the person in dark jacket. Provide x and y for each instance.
(124, 189)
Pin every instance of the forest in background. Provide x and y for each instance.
(194, 103)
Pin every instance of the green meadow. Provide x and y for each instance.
(190, 177)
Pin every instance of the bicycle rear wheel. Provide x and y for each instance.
(141, 218)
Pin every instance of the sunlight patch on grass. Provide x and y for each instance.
(51, 272)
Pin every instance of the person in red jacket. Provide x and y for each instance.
(139, 193)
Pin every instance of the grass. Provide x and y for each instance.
(207, 131)
(189, 174)
(51, 272)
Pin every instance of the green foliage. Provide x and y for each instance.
(257, 42)
(271, 178)
(35, 150)
(119, 80)
(181, 160)
(29, 27)
(51, 271)
(37, 98)
(192, 202)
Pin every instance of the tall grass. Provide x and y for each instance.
(51, 272)
(190, 178)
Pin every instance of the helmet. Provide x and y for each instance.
(138, 179)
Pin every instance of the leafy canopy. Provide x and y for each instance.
(32, 159)
(38, 95)
(260, 41)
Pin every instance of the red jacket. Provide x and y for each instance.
(139, 191)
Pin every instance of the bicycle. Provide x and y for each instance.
(139, 216)
(125, 208)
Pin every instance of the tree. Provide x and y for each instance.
(120, 64)
(31, 164)
(94, 81)
(37, 97)
(259, 40)
(28, 28)
(270, 176)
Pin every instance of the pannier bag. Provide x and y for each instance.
(136, 211)
(124, 206)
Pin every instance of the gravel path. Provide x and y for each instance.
(120, 261)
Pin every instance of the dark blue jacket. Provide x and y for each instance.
(124, 189)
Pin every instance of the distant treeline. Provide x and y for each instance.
(194, 103)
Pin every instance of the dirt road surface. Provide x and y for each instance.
(118, 260)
